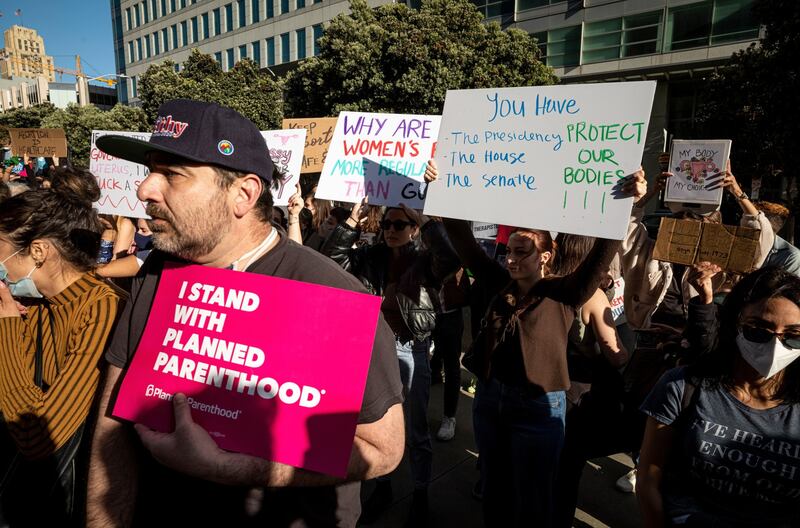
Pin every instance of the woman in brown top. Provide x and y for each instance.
(521, 361)
(55, 317)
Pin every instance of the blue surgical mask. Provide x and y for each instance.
(24, 287)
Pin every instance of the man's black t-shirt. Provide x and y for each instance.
(169, 498)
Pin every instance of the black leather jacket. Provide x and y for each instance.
(418, 295)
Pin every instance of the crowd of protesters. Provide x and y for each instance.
(698, 382)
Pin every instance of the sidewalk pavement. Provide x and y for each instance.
(454, 475)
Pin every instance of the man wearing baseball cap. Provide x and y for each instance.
(209, 201)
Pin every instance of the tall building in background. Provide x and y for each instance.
(24, 55)
(272, 33)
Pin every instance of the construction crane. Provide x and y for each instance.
(77, 72)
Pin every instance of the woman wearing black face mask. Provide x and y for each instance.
(127, 267)
(722, 444)
(55, 317)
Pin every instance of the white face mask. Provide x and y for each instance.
(766, 358)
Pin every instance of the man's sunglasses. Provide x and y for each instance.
(397, 225)
(755, 334)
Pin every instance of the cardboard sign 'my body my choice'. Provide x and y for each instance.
(382, 156)
(235, 344)
(546, 157)
(286, 151)
(118, 179)
(693, 163)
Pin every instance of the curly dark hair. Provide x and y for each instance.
(716, 368)
(62, 217)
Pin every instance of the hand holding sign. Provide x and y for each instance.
(699, 277)
(189, 449)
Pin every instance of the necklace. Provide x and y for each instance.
(256, 251)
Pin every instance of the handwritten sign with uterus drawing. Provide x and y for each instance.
(696, 165)
(286, 151)
(117, 178)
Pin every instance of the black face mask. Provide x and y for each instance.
(143, 242)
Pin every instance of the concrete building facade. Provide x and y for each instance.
(24, 55)
(270, 32)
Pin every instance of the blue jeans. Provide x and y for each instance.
(519, 438)
(415, 373)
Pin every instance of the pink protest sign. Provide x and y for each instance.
(272, 367)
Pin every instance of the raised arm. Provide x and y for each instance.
(294, 208)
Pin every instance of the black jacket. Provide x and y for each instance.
(419, 286)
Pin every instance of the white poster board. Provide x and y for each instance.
(118, 179)
(546, 157)
(693, 163)
(286, 151)
(382, 156)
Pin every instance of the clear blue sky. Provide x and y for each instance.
(69, 28)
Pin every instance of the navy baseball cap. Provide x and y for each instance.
(200, 132)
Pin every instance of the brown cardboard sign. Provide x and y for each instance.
(38, 142)
(318, 138)
(733, 248)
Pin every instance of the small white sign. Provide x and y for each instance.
(118, 179)
(692, 163)
(544, 157)
(382, 156)
(286, 151)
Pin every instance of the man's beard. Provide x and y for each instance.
(197, 233)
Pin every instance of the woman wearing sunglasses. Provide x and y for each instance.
(409, 280)
(55, 317)
(722, 443)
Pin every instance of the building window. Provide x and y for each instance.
(154, 8)
(284, 6)
(134, 91)
(131, 56)
(563, 47)
(163, 8)
(270, 8)
(165, 39)
(172, 6)
(317, 35)
(641, 34)
(139, 49)
(195, 31)
(243, 51)
(184, 33)
(231, 61)
(301, 4)
(285, 52)
(183, 4)
(146, 12)
(174, 36)
(271, 51)
(494, 8)
(300, 35)
(147, 47)
(229, 17)
(733, 20)
(317, 1)
(255, 11)
(156, 44)
(601, 40)
(256, 52)
(688, 26)
(242, 13)
(218, 58)
(128, 19)
(138, 15)
(206, 29)
(217, 22)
